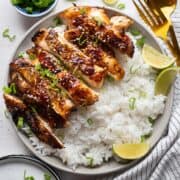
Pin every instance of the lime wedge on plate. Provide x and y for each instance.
(110, 2)
(165, 79)
(131, 151)
(156, 59)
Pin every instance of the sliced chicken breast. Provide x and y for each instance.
(76, 61)
(37, 124)
(39, 90)
(80, 93)
(94, 21)
(95, 51)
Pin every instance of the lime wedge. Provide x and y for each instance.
(156, 59)
(131, 151)
(110, 2)
(165, 79)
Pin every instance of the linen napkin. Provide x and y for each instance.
(163, 163)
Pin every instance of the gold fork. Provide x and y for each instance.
(159, 25)
(167, 7)
(157, 22)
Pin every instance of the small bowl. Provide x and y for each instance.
(37, 13)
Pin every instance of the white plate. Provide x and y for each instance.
(13, 167)
(112, 166)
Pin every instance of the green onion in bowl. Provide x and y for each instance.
(34, 8)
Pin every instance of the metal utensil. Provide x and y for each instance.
(159, 24)
(166, 7)
(156, 20)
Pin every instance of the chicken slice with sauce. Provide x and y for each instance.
(80, 93)
(37, 124)
(96, 23)
(37, 89)
(76, 61)
(102, 55)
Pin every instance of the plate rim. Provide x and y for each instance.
(27, 144)
(35, 160)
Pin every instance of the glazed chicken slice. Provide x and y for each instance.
(36, 89)
(95, 23)
(40, 100)
(14, 105)
(37, 124)
(102, 55)
(76, 61)
(80, 93)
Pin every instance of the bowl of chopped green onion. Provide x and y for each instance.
(34, 8)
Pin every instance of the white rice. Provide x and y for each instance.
(112, 119)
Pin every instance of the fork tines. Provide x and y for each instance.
(152, 16)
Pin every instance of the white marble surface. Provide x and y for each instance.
(18, 25)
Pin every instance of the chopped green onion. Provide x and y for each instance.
(151, 120)
(47, 176)
(32, 5)
(140, 42)
(21, 54)
(90, 161)
(44, 72)
(144, 137)
(110, 79)
(135, 32)
(29, 10)
(142, 94)
(133, 69)
(57, 21)
(33, 109)
(10, 89)
(28, 177)
(132, 102)
(81, 40)
(121, 6)
(42, 3)
(6, 34)
(20, 122)
(32, 56)
(16, 2)
(82, 11)
(38, 67)
(13, 87)
(27, 130)
(89, 121)
(98, 20)
(7, 90)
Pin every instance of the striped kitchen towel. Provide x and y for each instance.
(163, 163)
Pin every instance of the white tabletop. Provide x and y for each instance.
(18, 25)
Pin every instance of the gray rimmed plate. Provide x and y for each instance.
(111, 166)
(16, 167)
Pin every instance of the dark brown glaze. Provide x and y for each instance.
(80, 94)
(72, 57)
(14, 104)
(38, 125)
(103, 32)
(42, 130)
(35, 89)
(101, 54)
(76, 59)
